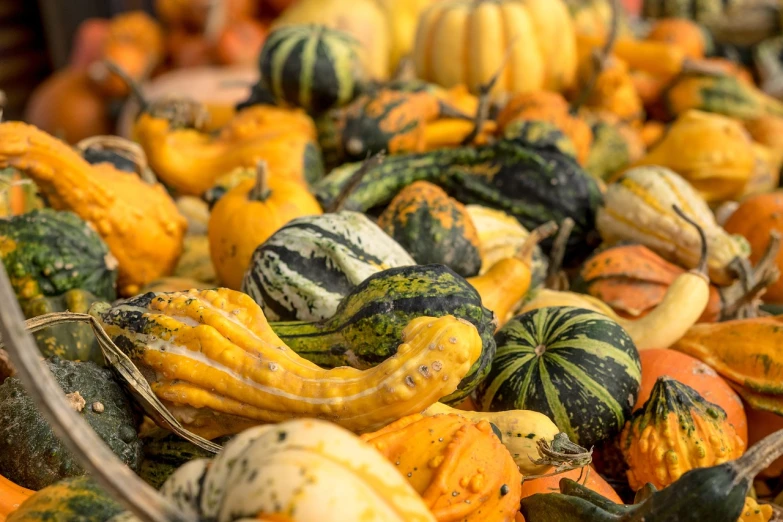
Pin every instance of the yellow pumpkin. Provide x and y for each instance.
(530, 42)
(247, 215)
(403, 18)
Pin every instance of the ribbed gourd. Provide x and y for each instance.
(47, 253)
(296, 471)
(433, 227)
(639, 207)
(201, 352)
(576, 366)
(304, 270)
(460, 468)
(310, 66)
(366, 327)
(675, 431)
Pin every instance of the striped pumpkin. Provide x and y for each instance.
(310, 66)
(305, 269)
(578, 367)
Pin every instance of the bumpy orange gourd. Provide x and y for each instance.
(461, 469)
(614, 90)
(189, 161)
(685, 34)
(676, 431)
(11, 496)
(754, 219)
(248, 215)
(139, 222)
(552, 108)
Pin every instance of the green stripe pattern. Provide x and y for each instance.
(310, 66)
(578, 367)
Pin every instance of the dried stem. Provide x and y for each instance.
(536, 236)
(753, 283)
(133, 85)
(260, 191)
(702, 266)
(353, 182)
(600, 58)
(122, 147)
(562, 454)
(555, 277)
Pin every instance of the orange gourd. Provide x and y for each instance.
(248, 215)
(88, 42)
(461, 469)
(240, 42)
(613, 90)
(683, 33)
(755, 218)
(550, 107)
(550, 484)
(688, 370)
(761, 424)
(11, 496)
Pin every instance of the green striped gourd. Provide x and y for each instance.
(576, 366)
(698, 10)
(310, 66)
(639, 207)
(365, 330)
(48, 252)
(306, 268)
(534, 181)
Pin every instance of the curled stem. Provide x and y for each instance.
(702, 266)
(562, 454)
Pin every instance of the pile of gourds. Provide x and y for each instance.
(538, 281)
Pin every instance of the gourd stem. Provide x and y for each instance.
(554, 277)
(125, 148)
(759, 456)
(353, 182)
(132, 84)
(217, 16)
(702, 266)
(740, 296)
(538, 234)
(600, 58)
(89, 449)
(260, 191)
(562, 454)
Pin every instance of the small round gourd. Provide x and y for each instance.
(578, 367)
(310, 66)
(434, 228)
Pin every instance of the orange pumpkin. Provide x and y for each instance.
(550, 107)
(461, 469)
(761, 424)
(691, 371)
(240, 42)
(685, 34)
(68, 105)
(11, 496)
(755, 218)
(550, 484)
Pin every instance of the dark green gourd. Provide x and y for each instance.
(578, 367)
(529, 175)
(48, 252)
(164, 452)
(714, 494)
(30, 453)
(367, 326)
(310, 66)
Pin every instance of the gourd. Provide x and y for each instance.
(267, 203)
(17, 194)
(676, 431)
(685, 34)
(364, 21)
(722, 94)
(518, 430)
(532, 42)
(586, 476)
(545, 297)
(639, 207)
(11, 496)
(73, 342)
(433, 228)
(305, 269)
(536, 180)
(366, 328)
(615, 146)
(552, 108)
(460, 469)
(190, 161)
(139, 222)
(195, 262)
(507, 282)
(632, 280)
(699, 11)
(73, 498)
(697, 375)
(47, 253)
(575, 366)
(32, 456)
(310, 66)
(165, 452)
(752, 511)
(501, 236)
(712, 152)
(174, 284)
(298, 471)
(201, 350)
(743, 351)
(613, 90)
(755, 218)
